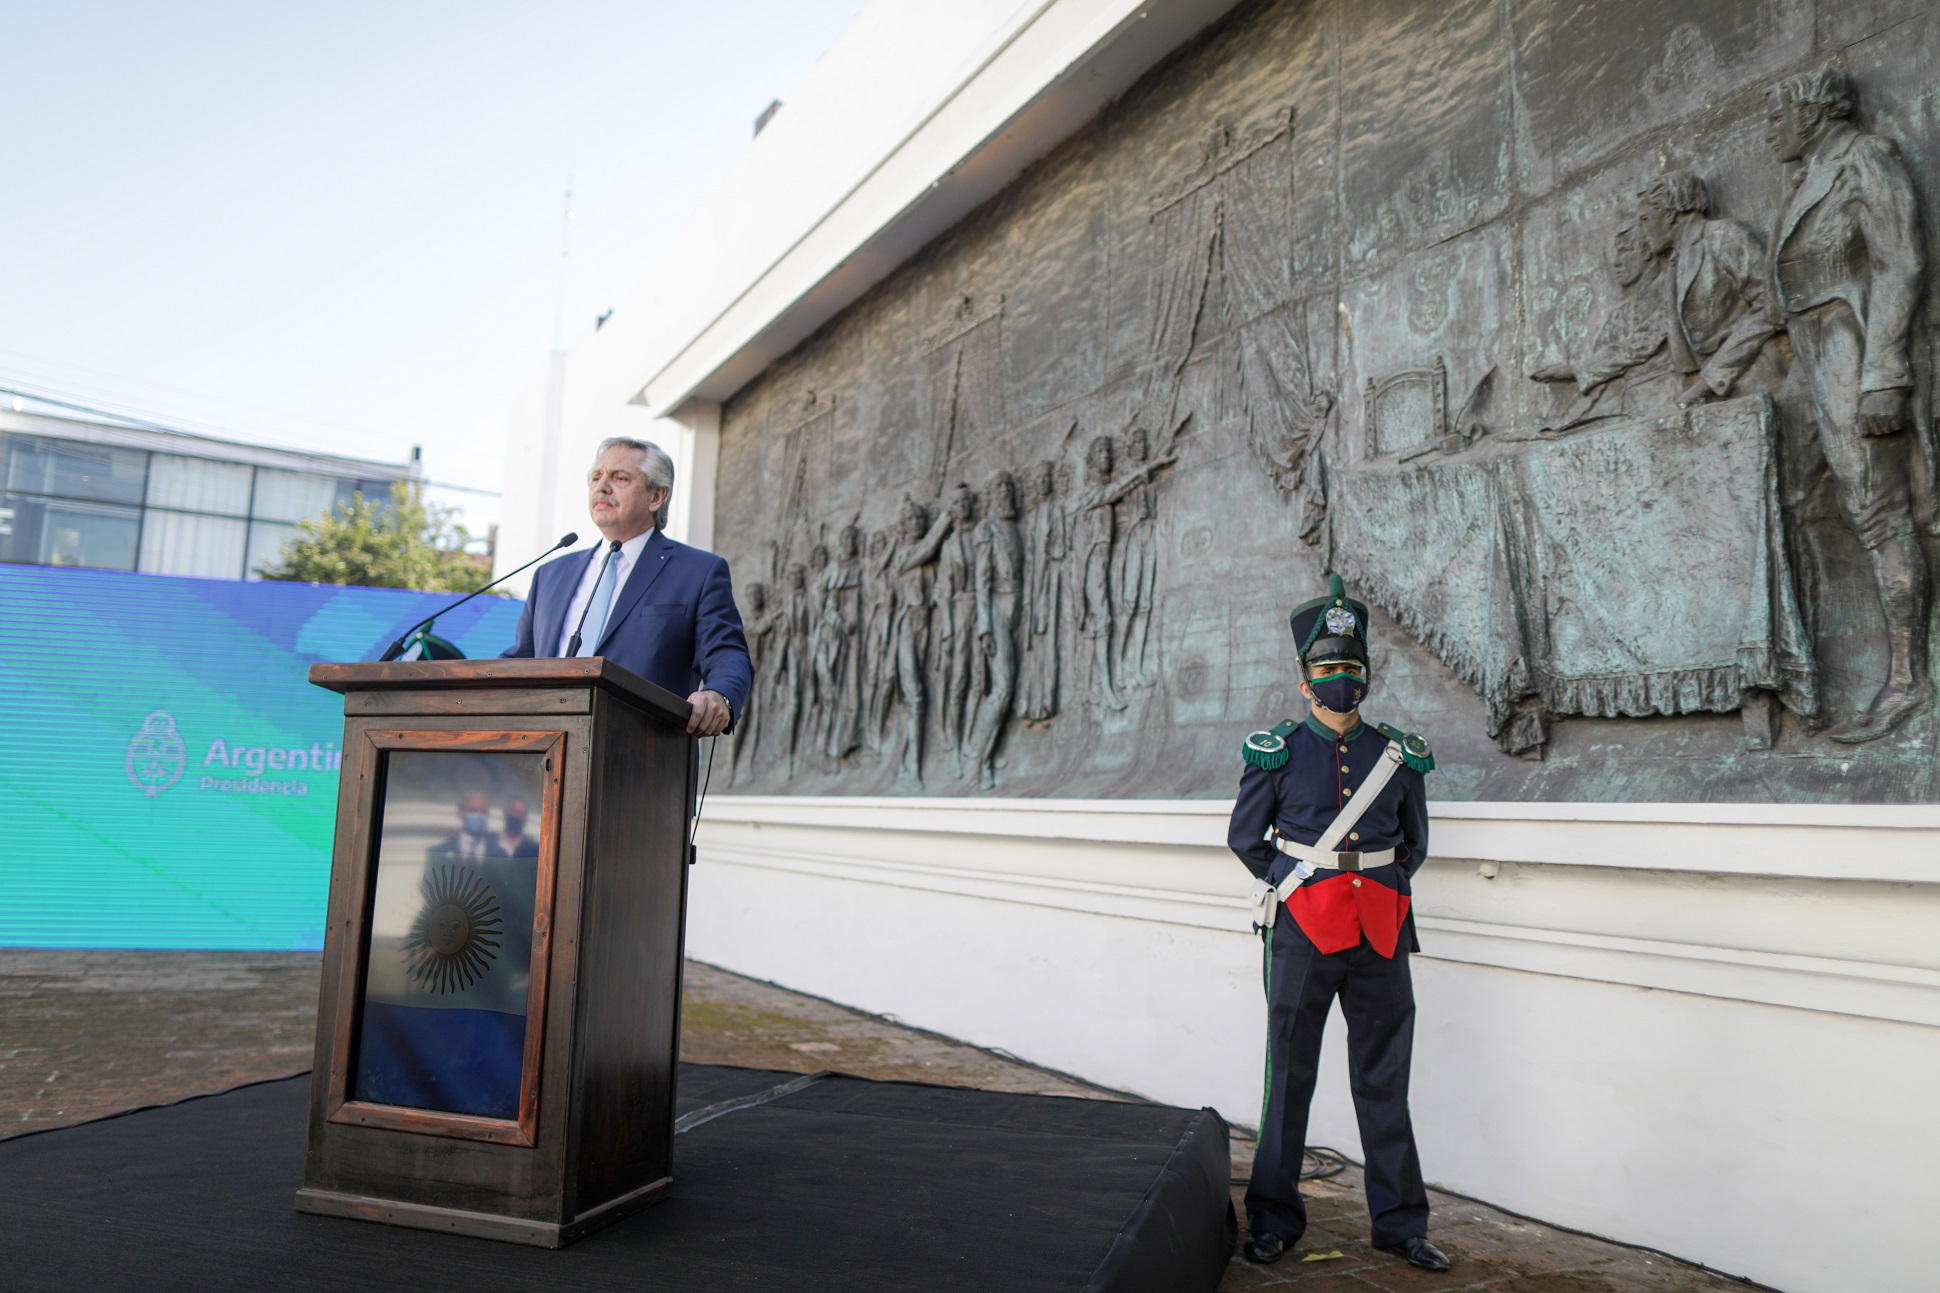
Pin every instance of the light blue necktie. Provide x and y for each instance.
(593, 625)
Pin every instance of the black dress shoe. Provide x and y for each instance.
(1265, 1247)
(1418, 1252)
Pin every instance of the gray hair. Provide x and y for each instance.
(660, 469)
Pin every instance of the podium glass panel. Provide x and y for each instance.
(443, 1009)
(445, 1031)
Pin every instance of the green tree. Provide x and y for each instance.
(410, 544)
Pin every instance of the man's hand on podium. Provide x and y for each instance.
(710, 716)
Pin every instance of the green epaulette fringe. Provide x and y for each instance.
(1268, 750)
(1414, 747)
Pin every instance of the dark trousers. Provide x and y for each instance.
(1378, 999)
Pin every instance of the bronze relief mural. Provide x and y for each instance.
(1637, 461)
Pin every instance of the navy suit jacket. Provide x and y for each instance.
(674, 623)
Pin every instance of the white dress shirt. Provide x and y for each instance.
(622, 567)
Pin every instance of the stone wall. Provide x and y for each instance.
(1473, 302)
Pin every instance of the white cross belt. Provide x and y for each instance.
(1266, 898)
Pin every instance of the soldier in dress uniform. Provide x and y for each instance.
(1332, 820)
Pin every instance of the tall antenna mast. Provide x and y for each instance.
(555, 416)
(565, 248)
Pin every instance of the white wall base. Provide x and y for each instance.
(1727, 1056)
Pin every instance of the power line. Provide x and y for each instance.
(468, 489)
(83, 374)
(139, 424)
(144, 424)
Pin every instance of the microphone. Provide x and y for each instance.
(396, 648)
(572, 647)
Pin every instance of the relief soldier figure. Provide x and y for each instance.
(878, 640)
(1050, 540)
(914, 587)
(958, 662)
(820, 651)
(760, 624)
(1000, 594)
(1847, 260)
(840, 588)
(1137, 568)
(792, 670)
(1097, 536)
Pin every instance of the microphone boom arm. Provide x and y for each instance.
(396, 648)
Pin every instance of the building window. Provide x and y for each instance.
(291, 496)
(182, 543)
(75, 469)
(63, 532)
(376, 492)
(199, 485)
(266, 540)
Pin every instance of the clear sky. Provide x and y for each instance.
(337, 226)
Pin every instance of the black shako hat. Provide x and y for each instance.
(1333, 627)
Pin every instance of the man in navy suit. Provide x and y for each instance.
(651, 605)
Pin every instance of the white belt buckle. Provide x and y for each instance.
(1348, 861)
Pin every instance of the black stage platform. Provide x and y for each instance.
(837, 1183)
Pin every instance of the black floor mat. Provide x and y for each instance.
(846, 1184)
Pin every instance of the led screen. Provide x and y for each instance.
(168, 775)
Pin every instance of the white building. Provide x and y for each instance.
(117, 495)
(1711, 1029)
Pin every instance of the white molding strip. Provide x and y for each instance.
(1895, 843)
(1205, 909)
(1165, 862)
(1901, 993)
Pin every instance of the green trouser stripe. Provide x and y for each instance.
(1266, 1087)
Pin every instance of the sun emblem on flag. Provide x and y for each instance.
(451, 944)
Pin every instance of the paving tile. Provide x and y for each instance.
(1324, 1239)
(1290, 1274)
(1658, 1275)
(1350, 1219)
(88, 1033)
(1242, 1274)
(727, 1019)
(1521, 1245)
(1555, 1282)
(1466, 1272)
(1344, 1281)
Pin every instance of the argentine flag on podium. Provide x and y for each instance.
(444, 1010)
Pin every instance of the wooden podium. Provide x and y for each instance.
(499, 1021)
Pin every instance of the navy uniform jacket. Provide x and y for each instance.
(674, 623)
(1303, 796)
